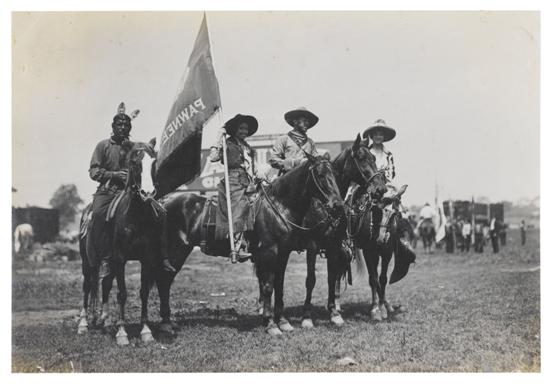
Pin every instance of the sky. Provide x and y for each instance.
(460, 88)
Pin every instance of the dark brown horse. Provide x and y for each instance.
(354, 164)
(138, 233)
(380, 232)
(278, 211)
(279, 208)
(427, 233)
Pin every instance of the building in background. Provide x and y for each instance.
(212, 173)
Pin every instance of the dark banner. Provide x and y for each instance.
(198, 98)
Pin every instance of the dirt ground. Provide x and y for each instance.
(465, 312)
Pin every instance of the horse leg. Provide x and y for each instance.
(265, 261)
(371, 259)
(163, 287)
(86, 288)
(106, 286)
(337, 287)
(384, 306)
(121, 336)
(146, 283)
(311, 257)
(267, 282)
(260, 299)
(334, 273)
(283, 323)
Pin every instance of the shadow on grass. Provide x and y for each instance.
(249, 322)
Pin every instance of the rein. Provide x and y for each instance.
(334, 221)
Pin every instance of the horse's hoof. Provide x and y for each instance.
(285, 326)
(337, 320)
(307, 323)
(375, 314)
(261, 311)
(398, 309)
(146, 335)
(166, 328)
(383, 312)
(82, 326)
(122, 337)
(274, 332)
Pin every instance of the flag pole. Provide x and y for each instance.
(225, 166)
(473, 220)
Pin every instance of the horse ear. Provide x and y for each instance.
(367, 141)
(326, 156)
(356, 144)
(309, 156)
(153, 142)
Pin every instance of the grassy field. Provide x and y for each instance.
(466, 312)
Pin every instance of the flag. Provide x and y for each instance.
(440, 234)
(197, 100)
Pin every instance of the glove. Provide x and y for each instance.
(288, 165)
(120, 176)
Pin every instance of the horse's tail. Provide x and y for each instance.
(360, 265)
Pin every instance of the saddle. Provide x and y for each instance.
(208, 243)
(113, 206)
(85, 223)
(157, 207)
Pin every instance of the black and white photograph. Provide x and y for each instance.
(274, 191)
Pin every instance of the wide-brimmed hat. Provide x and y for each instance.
(232, 125)
(389, 132)
(301, 112)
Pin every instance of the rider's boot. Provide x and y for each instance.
(241, 245)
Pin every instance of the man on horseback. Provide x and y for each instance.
(106, 168)
(426, 213)
(241, 170)
(288, 150)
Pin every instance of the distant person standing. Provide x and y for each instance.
(523, 231)
(494, 231)
(479, 237)
(467, 235)
(503, 234)
(449, 241)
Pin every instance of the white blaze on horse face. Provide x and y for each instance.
(146, 180)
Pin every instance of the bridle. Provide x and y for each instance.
(366, 179)
(332, 219)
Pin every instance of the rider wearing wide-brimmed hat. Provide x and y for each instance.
(241, 169)
(106, 168)
(288, 150)
(379, 133)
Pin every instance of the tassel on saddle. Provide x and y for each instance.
(208, 228)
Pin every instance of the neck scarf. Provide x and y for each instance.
(300, 137)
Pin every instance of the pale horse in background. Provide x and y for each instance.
(23, 238)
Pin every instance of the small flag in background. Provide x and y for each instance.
(440, 234)
(197, 100)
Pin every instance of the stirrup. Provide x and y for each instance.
(243, 256)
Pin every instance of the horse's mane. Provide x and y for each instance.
(280, 185)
